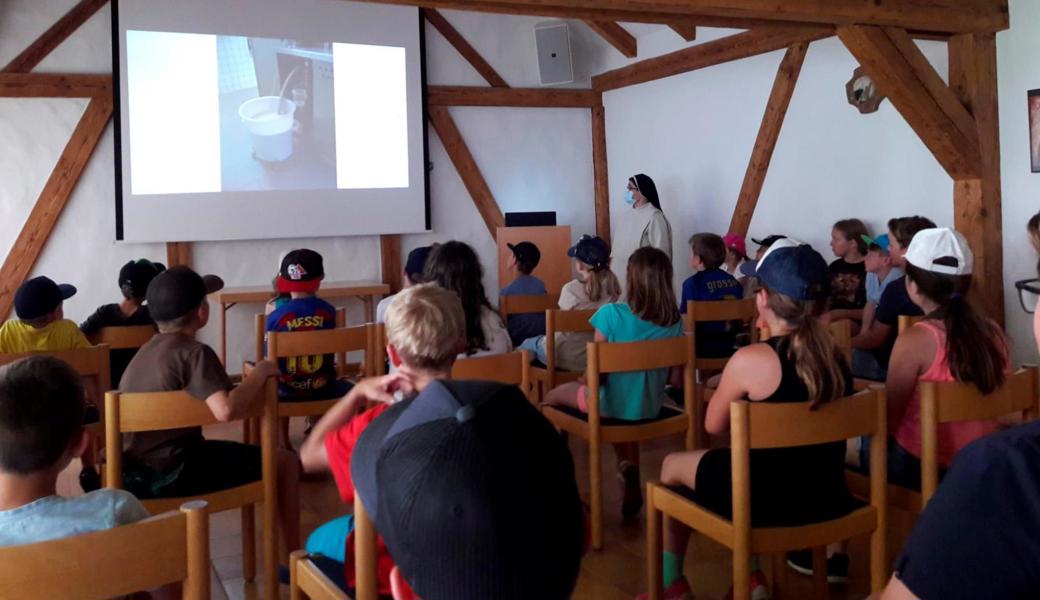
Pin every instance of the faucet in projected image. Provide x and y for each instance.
(282, 106)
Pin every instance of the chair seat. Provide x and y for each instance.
(670, 421)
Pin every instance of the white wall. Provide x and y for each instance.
(692, 133)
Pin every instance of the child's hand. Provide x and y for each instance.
(382, 389)
(265, 369)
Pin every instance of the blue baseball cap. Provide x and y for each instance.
(416, 262)
(591, 250)
(880, 241)
(794, 269)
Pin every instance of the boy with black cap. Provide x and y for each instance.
(134, 278)
(180, 462)
(412, 275)
(41, 325)
(523, 262)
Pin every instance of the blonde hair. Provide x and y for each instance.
(427, 327)
(601, 284)
(817, 359)
(649, 281)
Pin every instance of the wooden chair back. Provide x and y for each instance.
(512, 368)
(157, 411)
(518, 305)
(562, 321)
(759, 425)
(168, 548)
(907, 321)
(952, 402)
(307, 581)
(260, 337)
(92, 362)
(124, 338)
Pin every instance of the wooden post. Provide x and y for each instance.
(768, 134)
(390, 260)
(178, 254)
(977, 201)
(599, 172)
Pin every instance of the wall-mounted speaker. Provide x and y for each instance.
(555, 65)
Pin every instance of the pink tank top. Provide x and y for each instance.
(952, 436)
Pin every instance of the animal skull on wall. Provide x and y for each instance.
(863, 93)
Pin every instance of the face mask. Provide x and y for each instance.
(629, 197)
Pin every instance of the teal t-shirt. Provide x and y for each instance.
(638, 394)
(56, 517)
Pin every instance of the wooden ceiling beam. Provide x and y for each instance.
(53, 85)
(686, 32)
(444, 95)
(464, 48)
(615, 35)
(947, 16)
(53, 37)
(918, 93)
(722, 50)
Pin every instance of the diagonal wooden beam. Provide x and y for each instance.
(615, 35)
(464, 48)
(686, 32)
(768, 134)
(51, 85)
(467, 168)
(53, 37)
(441, 95)
(722, 50)
(946, 16)
(55, 194)
(927, 104)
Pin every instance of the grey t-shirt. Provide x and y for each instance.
(56, 517)
(170, 362)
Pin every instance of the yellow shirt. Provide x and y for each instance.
(17, 337)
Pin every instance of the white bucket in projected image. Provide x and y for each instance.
(271, 132)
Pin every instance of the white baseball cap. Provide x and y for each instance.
(940, 250)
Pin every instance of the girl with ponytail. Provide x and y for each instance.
(953, 342)
(801, 363)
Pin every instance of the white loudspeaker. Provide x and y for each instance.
(554, 53)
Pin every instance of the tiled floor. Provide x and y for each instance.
(616, 573)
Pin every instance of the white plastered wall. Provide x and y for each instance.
(692, 133)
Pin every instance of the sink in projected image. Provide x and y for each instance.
(272, 133)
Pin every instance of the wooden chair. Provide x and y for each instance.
(140, 412)
(260, 338)
(603, 358)
(168, 548)
(761, 425)
(951, 402)
(743, 310)
(512, 368)
(124, 338)
(559, 321)
(307, 581)
(366, 566)
(519, 305)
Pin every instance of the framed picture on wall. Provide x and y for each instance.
(1034, 129)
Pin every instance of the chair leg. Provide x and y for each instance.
(654, 546)
(596, 495)
(696, 438)
(270, 537)
(819, 563)
(248, 542)
(878, 560)
(741, 575)
(779, 567)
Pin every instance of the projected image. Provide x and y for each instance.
(277, 114)
(222, 113)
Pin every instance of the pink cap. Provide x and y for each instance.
(736, 243)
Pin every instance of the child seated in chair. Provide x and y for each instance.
(710, 283)
(41, 432)
(649, 314)
(800, 363)
(594, 285)
(525, 258)
(426, 330)
(134, 278)
(181, 462)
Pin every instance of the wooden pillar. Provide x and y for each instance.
(390, 254)
(768, 134)
(599, 171)
(977, 201)
(178, 254)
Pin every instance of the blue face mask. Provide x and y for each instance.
(629, 197)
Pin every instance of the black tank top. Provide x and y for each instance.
(792, 388)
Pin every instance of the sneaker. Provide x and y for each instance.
(837, 565)
(89, 480)
(759, 587)
(628, 474)
(679, 590)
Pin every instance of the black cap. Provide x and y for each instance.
(178, 291)
(526, 253)
(301, 271)
(417, 262)
(39, 296)
(769, 240)
(591, 250)
(474, 493)
(137, 274)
